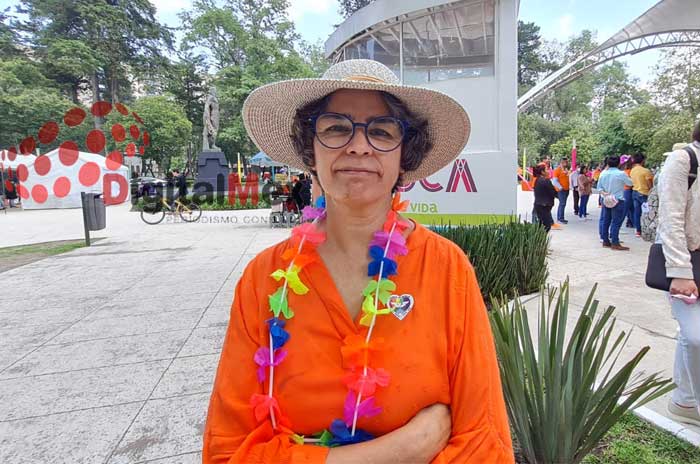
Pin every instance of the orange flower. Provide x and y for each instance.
(357, 353)
(398, 205)
(393, 217)
(300, 259)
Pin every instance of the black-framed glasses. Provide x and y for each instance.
(335, 130)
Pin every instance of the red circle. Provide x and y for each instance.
(22, 172)
(61, 187)
(146, 138)
(27, 145)
(142, 150)
(118, 133)
(134, 131)
(95, 141)
(101, 108)
(114, 160)
(68, 153)
(42, 165)
(11, 153)
(89, 174)
(74, 117)
(48, 132)
(122, 109)
(130, 149)
(9, 186)
(23, 192)
(39, 193)
(136, 116)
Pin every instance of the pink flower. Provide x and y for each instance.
(262, 359)
(397, 243)
(308, 230)
(309, 213)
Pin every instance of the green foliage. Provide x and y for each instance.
(348, 7)
(530, 60)
(583, 131)
(562, 392)
(675, 128)
(167, 124)
(509, 259)
(677, 83)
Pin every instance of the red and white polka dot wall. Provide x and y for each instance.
(34, 173)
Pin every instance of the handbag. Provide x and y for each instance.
(609, 200)
(656, 264)
(656, 268)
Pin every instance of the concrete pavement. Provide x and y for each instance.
(108, 353)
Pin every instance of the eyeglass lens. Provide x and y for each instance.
(336, 130)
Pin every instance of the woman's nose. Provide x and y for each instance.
(359, 145)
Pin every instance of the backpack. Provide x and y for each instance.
(650, 209)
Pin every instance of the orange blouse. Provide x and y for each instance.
(441, 352)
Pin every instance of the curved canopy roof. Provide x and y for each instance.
(668, 23)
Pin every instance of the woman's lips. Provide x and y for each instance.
(356, 172)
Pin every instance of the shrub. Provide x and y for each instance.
(564, 393)
(509, 258)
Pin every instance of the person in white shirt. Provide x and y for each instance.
(679, 234)
(573, 184)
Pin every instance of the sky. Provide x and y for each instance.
(558, 19)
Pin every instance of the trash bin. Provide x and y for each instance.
(95, 209)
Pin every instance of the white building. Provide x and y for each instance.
(467, 49)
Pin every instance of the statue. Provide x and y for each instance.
(211, 122)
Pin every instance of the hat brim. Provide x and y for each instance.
(269, 111)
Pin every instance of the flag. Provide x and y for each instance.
(573, 157)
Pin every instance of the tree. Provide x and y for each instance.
(100, 42)
(167, 124)
(582, 130)
(530, 60)
(614, 89)
(612, 137)
(677, 83)
(676, 128)
(252, 43)
(641, 123)
(8, 37)
(348, 7)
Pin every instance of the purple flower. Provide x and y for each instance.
(309, 213)
(397, 243)
(366, 408)
(262, 359)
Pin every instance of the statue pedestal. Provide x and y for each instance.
(212, 169)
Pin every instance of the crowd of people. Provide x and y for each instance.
(625, 186)
(622, 182)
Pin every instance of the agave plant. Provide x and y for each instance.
(563, 393)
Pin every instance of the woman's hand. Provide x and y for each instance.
(417, 442)
(685, 287)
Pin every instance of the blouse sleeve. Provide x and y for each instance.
(231, 434)
(480, 430)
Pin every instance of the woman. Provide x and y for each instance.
(363, 351)
(545, 193)
(585, 187)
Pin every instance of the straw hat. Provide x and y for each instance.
(268, 112)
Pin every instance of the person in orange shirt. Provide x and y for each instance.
(560, 179)
(336, 353)
(626, 166)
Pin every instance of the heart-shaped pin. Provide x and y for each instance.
(400, 305)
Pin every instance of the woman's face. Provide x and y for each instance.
(357, 172)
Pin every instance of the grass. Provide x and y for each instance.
(634, 441)
(46, 249)
(16, 256)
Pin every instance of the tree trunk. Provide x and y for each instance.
(95, 84)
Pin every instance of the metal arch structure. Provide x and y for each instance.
(669, 23)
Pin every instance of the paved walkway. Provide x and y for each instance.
(107, 353)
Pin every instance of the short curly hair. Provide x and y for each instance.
(413, 150)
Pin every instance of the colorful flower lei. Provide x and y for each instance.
(360, 353)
